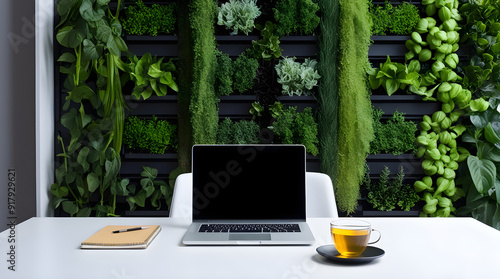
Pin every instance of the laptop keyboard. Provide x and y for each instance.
(245, 228)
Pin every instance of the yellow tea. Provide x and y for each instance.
(350, 242)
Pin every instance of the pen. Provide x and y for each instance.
(131, 229)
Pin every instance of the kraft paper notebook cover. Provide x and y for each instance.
(106, 239)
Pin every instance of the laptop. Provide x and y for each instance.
(249, 195)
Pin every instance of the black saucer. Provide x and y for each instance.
(371, 253)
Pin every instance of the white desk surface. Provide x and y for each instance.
(415, 248)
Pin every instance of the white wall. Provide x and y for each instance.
(17, 107)
(44, 105)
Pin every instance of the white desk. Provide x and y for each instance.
(415, 248)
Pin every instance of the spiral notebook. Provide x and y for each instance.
(106, 239)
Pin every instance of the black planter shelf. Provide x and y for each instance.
(144, 38)
(165, 106)
(236, 106)
(411, 164)
(395, 213)
(388, 45)
(148, 156)
(412, 105)
(296, 46)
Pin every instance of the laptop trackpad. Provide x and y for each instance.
(249, 236)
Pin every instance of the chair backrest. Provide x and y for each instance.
(319, 192)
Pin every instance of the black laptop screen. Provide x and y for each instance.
(248, 182)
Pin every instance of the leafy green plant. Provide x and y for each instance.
(297, 78)
(151, 189)
(435, 42)
(149, 20)
(238, 132)
(90, 158)
(355, 128)
(479, 178)
(244, 72)
(87, 181)
(150, 74)
(223, 74)
(268, 47)
(292, 127)
(296, 16)
(397, 20)
(393, 76)
(149, 135)
(395, 136)
(386, 195)
(238, 15)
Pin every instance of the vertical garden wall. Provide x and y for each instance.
(356, 82)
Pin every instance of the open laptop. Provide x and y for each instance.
(249, 195)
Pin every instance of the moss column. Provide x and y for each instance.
(198, 109)
(355, 128)
(328, 99)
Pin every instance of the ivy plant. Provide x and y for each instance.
(90, 156)
(152, 190)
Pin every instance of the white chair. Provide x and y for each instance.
(320, 199)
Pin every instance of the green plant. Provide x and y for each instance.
(297, 78)
(355, 128)
(90, 160)
(382, 195)
(149, 135)
(479, 178)
(244, 72)
(150, 75)
(151, 189)
(203, 105)
(238, 15)
(239, 132)
(268, 47)
(87, 183)
(396, 136)
(388, 195)
(296, 16)
(398, 20)
(143, 20)
(435, 41)
(328, 95)
(223, 74)
(393, 76)
(292, 127)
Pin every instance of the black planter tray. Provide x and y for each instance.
(412, 105)
(394, 213)
(146, 38)
(149, 156)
